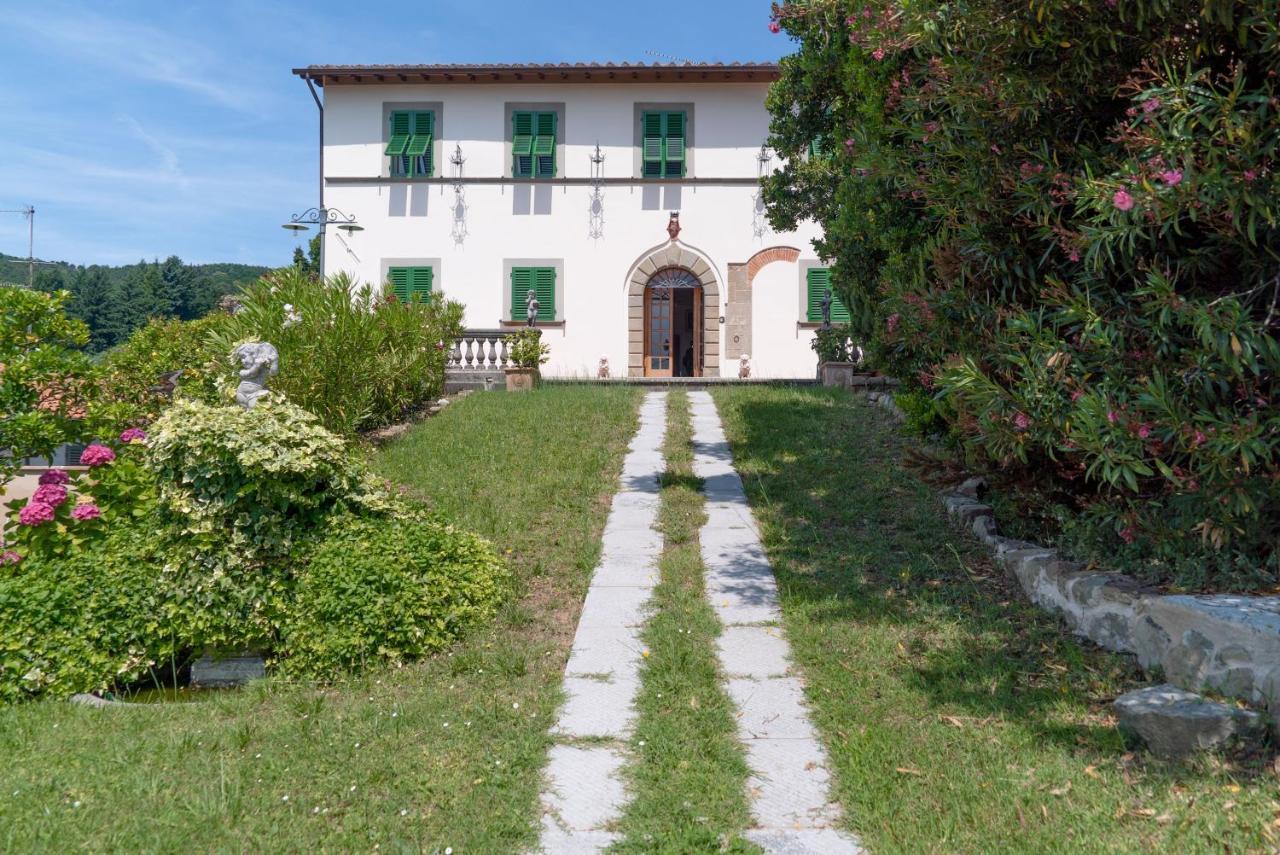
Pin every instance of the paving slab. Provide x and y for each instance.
(615, 606)
(588, 793)
(771, 709)
(791, 783)
(819, 841)
(626, 570)
(757, 652)
(605, 650)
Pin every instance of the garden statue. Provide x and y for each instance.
(531, 308)
(744, 366)
(603, 371)
(259, 361)
(826, 309)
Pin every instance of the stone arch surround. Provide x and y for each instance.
(673, 254)
(738, 312)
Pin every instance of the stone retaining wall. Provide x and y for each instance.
(1225, 643)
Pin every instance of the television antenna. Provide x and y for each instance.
(30, 213)
(679, 60)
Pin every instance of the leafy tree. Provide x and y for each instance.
(42, 375)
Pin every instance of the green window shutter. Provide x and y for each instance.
(420, 147)
(544, 282)
(544, 144)
(540, 280)
(522, 134)
(816, 148)
(819, 279)
(420, 281)
(399, 279)
(651, 127)
(400, 133)
(674, 134)
(521, 284)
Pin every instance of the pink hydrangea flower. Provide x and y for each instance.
(35, 513)
(1122, 200)
(1172, 177)
(9, 558)
(133, 435)
(86, 511)
(97, 455)
(1022, 421)
(50, 494)
(55, 476)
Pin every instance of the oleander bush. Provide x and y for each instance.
(1059, 220)
(130, 377)
(356, 357)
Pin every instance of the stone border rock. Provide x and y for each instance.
(1226, 643)
(884, 400)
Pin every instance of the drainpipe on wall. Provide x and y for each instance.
(320, 106)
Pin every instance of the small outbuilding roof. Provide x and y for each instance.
(564, 72)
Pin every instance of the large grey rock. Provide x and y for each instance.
(93, 701)
(222, 672)
(1175, 723)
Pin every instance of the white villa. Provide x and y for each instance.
(626, 196)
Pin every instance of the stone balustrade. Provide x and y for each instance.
(477, 360)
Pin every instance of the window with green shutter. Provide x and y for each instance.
(819, 279)
(540, 280)
(816, 148)
(410, 145)
(411, 284)
(533, 144)
(663, 148)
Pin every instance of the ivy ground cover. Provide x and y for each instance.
(957, 717)
(443, 753)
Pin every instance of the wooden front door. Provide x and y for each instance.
(672, 325)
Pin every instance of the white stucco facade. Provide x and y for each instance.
(601, 226)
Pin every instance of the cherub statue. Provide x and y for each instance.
(531, 308)
(603, 371)
(744, 366)
(826, 308)
(259, 360)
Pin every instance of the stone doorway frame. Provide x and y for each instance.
(673, 254)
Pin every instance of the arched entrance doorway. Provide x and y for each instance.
(672, 324)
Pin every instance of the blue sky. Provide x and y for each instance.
(145, 129)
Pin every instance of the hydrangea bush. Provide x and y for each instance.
(1059, 221)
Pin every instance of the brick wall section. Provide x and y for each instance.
(768, 256)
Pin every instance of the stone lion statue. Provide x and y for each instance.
(744, 366)
(259, 361)
(602, 371)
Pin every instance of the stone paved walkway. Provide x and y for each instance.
(790, 781)
(584, 791)
(789, 784)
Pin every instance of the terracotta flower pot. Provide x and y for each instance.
(521, 379)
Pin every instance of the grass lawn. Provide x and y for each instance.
(688, 776)
(958, 718)
(446, 753)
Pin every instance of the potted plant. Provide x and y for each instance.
(838, 357)
(526, 352)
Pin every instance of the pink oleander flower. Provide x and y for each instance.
(892, 322)
(97, 455)
(1077, 395)
(1144, 431)
(1172, 177)
(775, 27)
(1198, 438)
(55, 476)
(1129, 534)
(1022, 421)
(1151, 105)
(1122, 200)
(1074, 255)
(133, 435)
(50, 494)
(35, 513)
(878, 53)
(8, 558)
(1113, 416)
(1249, 176)
(86, 511)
